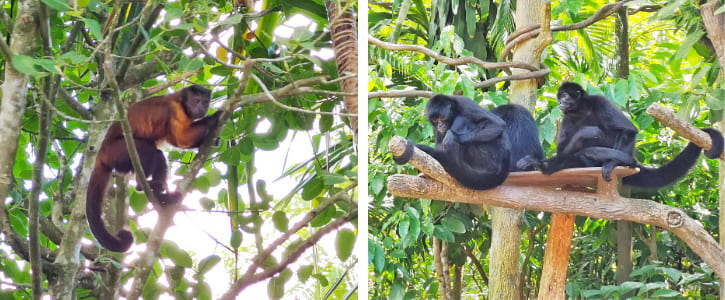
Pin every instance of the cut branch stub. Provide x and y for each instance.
(686, 130)
(592, 205)
(423, 162)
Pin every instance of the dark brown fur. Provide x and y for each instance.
(168, 118)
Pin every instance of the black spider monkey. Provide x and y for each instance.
(478, 147)
(593, 133)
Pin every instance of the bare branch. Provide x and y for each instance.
(450, 61)
(250, 277)
(401, 94)
(297, 109)
(529, 32)
(686, 130)
(519, 76)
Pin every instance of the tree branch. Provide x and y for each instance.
(450, 61)
(529, 32)
(686, 130)
(250, 277)
(605, 204)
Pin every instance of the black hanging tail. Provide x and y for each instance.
(94, 199)
(678, 167)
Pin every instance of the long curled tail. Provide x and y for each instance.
(678, 167)
(94, 201)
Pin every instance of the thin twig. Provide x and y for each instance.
(450, 61)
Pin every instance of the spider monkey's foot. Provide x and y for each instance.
(529, 163)
(607, 169)
(169, 198)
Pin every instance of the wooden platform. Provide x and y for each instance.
(581, 177)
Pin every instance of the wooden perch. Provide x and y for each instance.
(605, 204)
(686, 130)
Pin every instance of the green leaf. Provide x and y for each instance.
(397, 291)
(59, 5)
(191, 65)
(236, 240)
(443, 234)
(95, 28)
(687, 44)
(305, 272)
(25, 64)
(281, 223)
(324, 217)
(208, 263)
(664, 293)
(669, 10)
(202, 291)
(313, 188)
(275, 288)
(714, 102)
(344, 243)
(180, 257)
(73, 57)
(206, 203)
(232, 20)
(453, 224)
(621, 91)
(378, 183)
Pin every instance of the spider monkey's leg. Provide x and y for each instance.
(563, 161)
(609, 158)
(586, 134)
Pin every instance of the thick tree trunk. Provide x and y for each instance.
(24, 40)
(506, 223)
(344, 42)
(715, 26)
(624, 228)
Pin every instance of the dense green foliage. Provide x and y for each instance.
(277, 161)
(671, 64)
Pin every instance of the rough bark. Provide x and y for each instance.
(535, 191)
(344, 42)
(556, 258)
(547, 199)
(24, 40)
(624, 228)
(715, 27)
(506, 223)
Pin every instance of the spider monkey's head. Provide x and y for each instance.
(196, 101)
(440, 111)
(569, 96)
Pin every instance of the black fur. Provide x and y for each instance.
(593, 133)
(475, 145)
(522, 133)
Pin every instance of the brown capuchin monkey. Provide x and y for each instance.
(178, 119)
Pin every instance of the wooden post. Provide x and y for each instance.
(556, 258)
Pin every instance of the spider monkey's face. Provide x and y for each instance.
(196, 101)
(440, 114)
(569, 97)
(440, 124)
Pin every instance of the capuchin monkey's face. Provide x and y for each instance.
(196, 101)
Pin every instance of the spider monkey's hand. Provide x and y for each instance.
(529, 163)
(407, 154)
